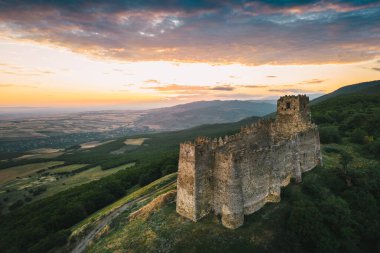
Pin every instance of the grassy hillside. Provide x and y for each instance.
(366, 88)
(53, 216)
(350, 118)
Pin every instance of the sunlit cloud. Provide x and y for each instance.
(223, 88)
(257, 32)
(254, 86)
(175, 88)
(312, 81)
(151, 81)
(8, 85)
(162, 52)
(296, 91)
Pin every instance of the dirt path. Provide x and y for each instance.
(81, 246)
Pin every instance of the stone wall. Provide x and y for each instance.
(236, 175)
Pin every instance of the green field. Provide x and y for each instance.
(86, 176)
(35, 186)
(68, 168)
(24, 170)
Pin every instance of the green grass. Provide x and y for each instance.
(166, 231)
(12, 173)
(331, 160)
(86, 176)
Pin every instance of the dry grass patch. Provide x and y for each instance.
(135, 142)
(93, 144)
(154, 205)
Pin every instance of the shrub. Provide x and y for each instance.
(329, 134)
(358, 136)
(16, 205)
(374, 148)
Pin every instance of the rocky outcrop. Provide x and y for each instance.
(236, 175)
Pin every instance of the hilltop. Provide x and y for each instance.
(349, 128)
(204, 112)
(369, 88)
(334, 209)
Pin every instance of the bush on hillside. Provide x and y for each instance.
(329, 134)
(358, 136)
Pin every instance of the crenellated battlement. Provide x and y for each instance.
(236, 175)
(206, 142)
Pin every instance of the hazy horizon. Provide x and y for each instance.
(27, 111)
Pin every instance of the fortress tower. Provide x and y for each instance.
(237, 175)
(293, 114)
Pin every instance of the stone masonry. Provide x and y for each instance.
(236, 175)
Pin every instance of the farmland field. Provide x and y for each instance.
(24, 170)
(36, 181)
(83, 177)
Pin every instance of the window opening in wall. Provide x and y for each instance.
(287, 105)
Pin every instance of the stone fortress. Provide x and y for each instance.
(236, 175)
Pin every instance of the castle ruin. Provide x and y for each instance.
(236, 175)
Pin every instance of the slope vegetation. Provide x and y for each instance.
(367, 88)
(335, 209)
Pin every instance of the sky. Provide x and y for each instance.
(143, 54)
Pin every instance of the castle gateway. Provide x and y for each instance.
(237, 175)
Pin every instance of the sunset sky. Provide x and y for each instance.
(158, 53)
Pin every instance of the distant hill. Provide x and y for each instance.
(203, 112)
(372, 87)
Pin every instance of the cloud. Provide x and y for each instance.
(21, 71)
(151, 81)
(190, 89)
(293, 90)
(223, 88)
(312, 81)
(376, 69)
(176, 87)
(253, 86)
(179, 89)
(240, 96)
(8, 85)
(271, 76)
(248, 32)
